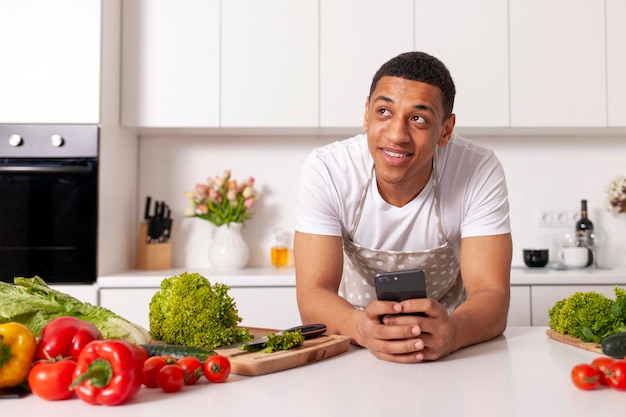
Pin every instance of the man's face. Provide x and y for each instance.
(404, 121)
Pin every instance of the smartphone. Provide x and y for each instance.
(401, 285)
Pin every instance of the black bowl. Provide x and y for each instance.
(536, 258)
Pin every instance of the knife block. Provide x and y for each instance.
(152, 256)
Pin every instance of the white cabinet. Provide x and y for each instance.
(471, 39)
(268, 307)
(616, 61)
(558, 63)
(131, 303)
(519, 308)
(269, 73)
(544, 297)
(171, 63)
(50, 70)
(352, 50)
(84, 293)
(208, 63)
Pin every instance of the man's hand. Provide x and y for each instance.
(406, 338)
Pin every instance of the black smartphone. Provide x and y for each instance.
(401, 285)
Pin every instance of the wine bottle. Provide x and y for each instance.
(584, 227)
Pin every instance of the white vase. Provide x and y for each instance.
(229, 250)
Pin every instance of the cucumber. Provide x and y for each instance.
(615, 346)
(178, 351)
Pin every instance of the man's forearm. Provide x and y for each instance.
(339, 315)
(482, 317)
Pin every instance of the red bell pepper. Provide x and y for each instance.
(65, 337)
(108, 372)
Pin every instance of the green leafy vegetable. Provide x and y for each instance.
(33, 303)
(276, 342)
(188, 310)
(590, 316)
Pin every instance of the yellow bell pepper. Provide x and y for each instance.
(17, 350)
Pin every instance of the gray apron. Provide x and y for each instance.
(440, 264)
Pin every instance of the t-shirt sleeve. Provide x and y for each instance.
(318, 206)
(487, 211)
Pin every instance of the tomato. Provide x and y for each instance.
(51, 380)
(601, 364)
(192, 367)
(585, 376)
(616, 375)
(216, 368)
(151, 367)
(171, 378)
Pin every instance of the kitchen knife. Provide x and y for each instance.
(309, 331)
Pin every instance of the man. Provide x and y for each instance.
(407, 194)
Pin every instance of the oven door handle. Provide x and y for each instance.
(44, 169)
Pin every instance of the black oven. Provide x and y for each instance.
(49, 202)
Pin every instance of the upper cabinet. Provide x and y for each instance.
(270, 66)
(279, 63)
(558, 63)
(50, 70)
(170, 63)
(471, 38)
(616, 61)
(352, 48)
(208, 63)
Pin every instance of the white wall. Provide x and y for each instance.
(542, 172)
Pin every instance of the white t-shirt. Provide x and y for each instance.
(472, 188)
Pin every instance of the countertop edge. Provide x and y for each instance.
(285, 277)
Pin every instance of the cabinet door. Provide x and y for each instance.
(352, 48)
(544, 298)
(616, 61)
(269, 307)
(471, 38)
(170, 63)
(50, 70)
(131, 303)
(558, 71)
(269, 63)
(84, 293)
(519, 308)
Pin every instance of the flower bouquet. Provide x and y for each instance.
(222, 200)
(616, 195)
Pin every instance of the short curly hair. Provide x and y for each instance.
(420, 66)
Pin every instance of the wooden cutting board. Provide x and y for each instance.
(574, 341)
(257, 363)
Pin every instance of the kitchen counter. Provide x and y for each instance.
(247, 277)
(523, 373)
(285, 277)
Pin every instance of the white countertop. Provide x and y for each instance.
(523, 373)
(247, 277)
(285, 277)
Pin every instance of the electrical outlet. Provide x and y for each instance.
(544, 218)
(556, 218)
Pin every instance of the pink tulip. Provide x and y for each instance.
(249, 202)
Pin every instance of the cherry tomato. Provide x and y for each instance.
(216, 368)
(151, 367)
(601, 364)
(51, 380)
(171, 378)
(192, 368)
(585, 376)
(616, 375)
